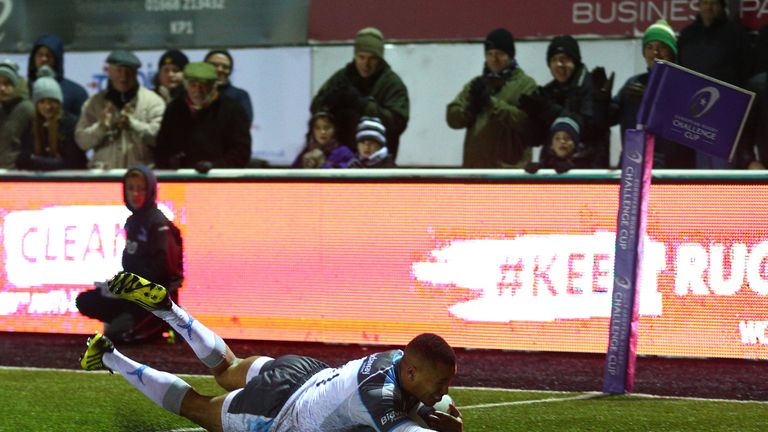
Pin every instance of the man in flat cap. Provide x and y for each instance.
(203, 129)
(366, 86)
(120, 123)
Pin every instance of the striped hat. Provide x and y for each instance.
(371, 128)
(662, 32)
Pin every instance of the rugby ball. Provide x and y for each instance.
(443, 404)
(421, 412)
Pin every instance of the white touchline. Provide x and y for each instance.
(533, 401)
(589, 395)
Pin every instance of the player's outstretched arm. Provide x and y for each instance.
(447, 422)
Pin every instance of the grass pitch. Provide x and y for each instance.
(64, 400)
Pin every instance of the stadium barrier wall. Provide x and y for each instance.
(489, 259)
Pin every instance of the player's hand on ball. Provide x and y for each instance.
(447, 422)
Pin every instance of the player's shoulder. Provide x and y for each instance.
(378, 362)
(379, 390)
(377, 375)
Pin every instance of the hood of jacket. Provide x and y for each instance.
(56, 45)
(151, 200)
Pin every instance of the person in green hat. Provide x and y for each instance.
(121, 122)
(366, 86)
(203, 129)
(659, 42)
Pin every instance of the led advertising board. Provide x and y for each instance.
(486, 265)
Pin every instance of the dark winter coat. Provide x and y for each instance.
(754, 140)
(622, 110)
(218, 133)
(15, 120)
(241, 96)
(69, 156)
(153, 245)
(720, 50)
(573, 98)
(496, 135)
(349, 96)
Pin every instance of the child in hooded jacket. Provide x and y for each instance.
(153, 250)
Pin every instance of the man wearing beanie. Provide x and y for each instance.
(225, 65)
(659, 42)
(121, 122)
(366, 86)
(15, 114)
(50, 143)
(718, 47)
(569, 92)
(203, 130)
(169, 76)
(488, 108)
(48, 50)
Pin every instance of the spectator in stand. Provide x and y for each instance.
(225, 65)
(366, 86)
(569, 93)
(323, 149)
(153, 249)
(16, 112)
(120, 123)
(49, 50)
(761, 48)
(659, 42)
(203, 130)
(372, 149)
(50, 143)
(719, 47)
(564, 151)
(170, 74)
(753, 147)
(488, 107)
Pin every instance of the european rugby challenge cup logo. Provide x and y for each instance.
(703, 101)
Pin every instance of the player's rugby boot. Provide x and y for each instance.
(97, 345)
(136, 289)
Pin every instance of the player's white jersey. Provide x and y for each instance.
(362, 395)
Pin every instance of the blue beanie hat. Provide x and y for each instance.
(567, 125)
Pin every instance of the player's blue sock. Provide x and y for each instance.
(206, 344)
(164, 389)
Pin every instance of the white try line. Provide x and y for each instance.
(590, 395)
(184, 430)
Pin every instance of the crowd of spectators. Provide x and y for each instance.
(196, 118)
